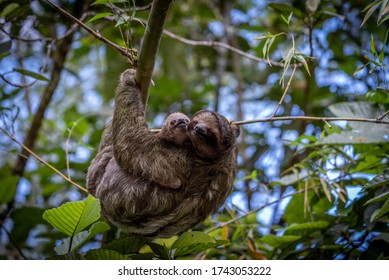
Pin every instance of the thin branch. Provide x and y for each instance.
(324, 119)
(220, 45)
(380, 118)
(97, 35)
(16, 245)
(221, 225)
(38, 158)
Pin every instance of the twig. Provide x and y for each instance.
(43, 161)
(324, 119)
(252, 211)
(221, 45)
(16, 245)
(285, 91)
(380, 118)
(97, 35)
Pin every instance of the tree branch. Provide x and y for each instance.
(324, 119)
(150, 44)
(97, 35)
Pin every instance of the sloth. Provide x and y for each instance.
(160, 185)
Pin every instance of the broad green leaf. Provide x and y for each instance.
(67, 257)
(104, 254)
(306, 228)
(191, 242)
(126, 245)
(31, 74)
(8, 186)
(295, 212)
(379, 180)
(160, 250)
(73, 217)
(279, 241)
(361, 132)
(73, 243)
(99, 16)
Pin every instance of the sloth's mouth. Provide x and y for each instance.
(180, 123)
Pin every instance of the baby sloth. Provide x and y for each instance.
(160, 185)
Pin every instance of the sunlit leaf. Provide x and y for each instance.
(279, 241)
(99, 16)
(192, 242)
(73, 217)
(306, 228)
(9, 9)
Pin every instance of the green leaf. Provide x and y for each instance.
(301, 58)
(9, 9)
(126, 245)
(73, 217)
(31, 74)
(8, 186)
(160, 250)
(104, 254)
(279, 241)
(71, 244)
(306, 228)
(380, 212)
(372, 45)
(192, 242)
(99, 16)
(360, 68)
(378, 198)
(379, 180)
(369, 12)
(68, 256)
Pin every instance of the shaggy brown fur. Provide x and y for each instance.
(158, 185)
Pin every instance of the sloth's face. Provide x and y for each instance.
(210, 134)
(174, 129)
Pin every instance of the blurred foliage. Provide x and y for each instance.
(304, 190)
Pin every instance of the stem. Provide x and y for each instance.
(43, 161)
(150, 44)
